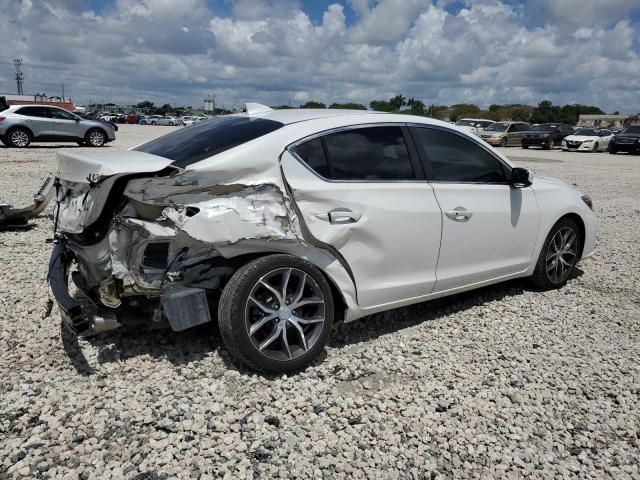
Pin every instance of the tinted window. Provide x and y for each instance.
(371, 153)
(205, 139)
(634, 129)
(453, 158)
(34, 112)
(544, 127)
(61, 114)
(312, 152)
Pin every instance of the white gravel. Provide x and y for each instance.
(503, 382)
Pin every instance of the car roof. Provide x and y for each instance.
(294, 115)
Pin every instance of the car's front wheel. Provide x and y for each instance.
(559, 255)
(95, 138)
(503, 142)
(276, 313)
(19, 138)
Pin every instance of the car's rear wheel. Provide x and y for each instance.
(559, 255)
(95, 138)
(276, 313)
(19, 138)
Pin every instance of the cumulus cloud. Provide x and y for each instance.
(276, 51)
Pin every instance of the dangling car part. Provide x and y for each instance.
(276, 224)
(12, 217)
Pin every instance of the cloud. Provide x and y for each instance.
(443, 52)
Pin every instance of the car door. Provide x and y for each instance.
(38, 120)
(515, 134)
(489, 228)
(67, 125)
(362, 194)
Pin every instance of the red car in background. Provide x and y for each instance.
(133, 119)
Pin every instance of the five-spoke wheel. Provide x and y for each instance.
(276, 313)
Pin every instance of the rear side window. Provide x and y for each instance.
(369, 153)
(206, 139)
(453, 158)
(42, 112)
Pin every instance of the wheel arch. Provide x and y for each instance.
(581, 227)
(339, 303)
(21, 127)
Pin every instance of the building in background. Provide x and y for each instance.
(602, 121)
(14, 99)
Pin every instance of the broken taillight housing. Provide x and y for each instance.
(588, 200)
(2, 118)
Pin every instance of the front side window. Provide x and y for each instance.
(61, 114)
(206, 139)
(634, 129)
(453, 158)
(497, 127)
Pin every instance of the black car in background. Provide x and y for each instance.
(546, 135)
(626, 141)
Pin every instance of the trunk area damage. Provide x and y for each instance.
(18, 217)
(146, 243)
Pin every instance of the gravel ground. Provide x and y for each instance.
(503, 382)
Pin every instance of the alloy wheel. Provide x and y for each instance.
(19, 138)
(96, 139)
(562, 255)
(285, 314)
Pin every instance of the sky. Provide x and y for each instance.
(442, 52)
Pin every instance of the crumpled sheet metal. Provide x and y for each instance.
(18, 216)
(220, 214)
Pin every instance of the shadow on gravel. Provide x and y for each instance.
(183, 348)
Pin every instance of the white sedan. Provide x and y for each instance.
(587, 140)
(277, 224)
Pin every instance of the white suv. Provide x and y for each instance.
(276, 224)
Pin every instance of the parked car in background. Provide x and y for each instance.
(166, 120)
(87, 116)
(626, 141)
(188, 120)
(546, 135)
(22, 124)
(150, 119)
(109, 117)
(268, 222)
(502, 134)
(474, 125)
(133, 119)
(587, 140)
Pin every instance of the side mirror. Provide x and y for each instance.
(520, 177)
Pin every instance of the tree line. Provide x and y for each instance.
(545, 112)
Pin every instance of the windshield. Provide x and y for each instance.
(208, 138)
(545, 127)
(587, 132)
(634, 129)
(497, 127)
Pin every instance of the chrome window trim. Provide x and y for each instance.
(292, 146)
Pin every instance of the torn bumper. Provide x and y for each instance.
(18, 216)
(73, 313)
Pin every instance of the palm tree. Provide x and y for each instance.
(632, 120)
(397, 102)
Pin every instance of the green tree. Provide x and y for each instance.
(381, 106)
(313, 104)
(463, 110)
(416, 107)
(146, 104)
(348, 106)
(397, 103)
(281, 107)
(519, 115)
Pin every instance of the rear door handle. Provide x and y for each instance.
(459, 214)
(340, 216)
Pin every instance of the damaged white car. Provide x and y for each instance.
(277, 224)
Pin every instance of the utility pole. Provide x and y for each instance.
(63, 91)
(19, 75)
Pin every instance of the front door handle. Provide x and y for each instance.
(340, 216)
(459, 214)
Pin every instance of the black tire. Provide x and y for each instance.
(503, 142)
(596, 147)
(154, 123)
(613, 151)
(525, 146)
(547, 279)
(171, 124)
(235, 307)
(95, 138)
(4, 141)
(81, 143)
(19, 138)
